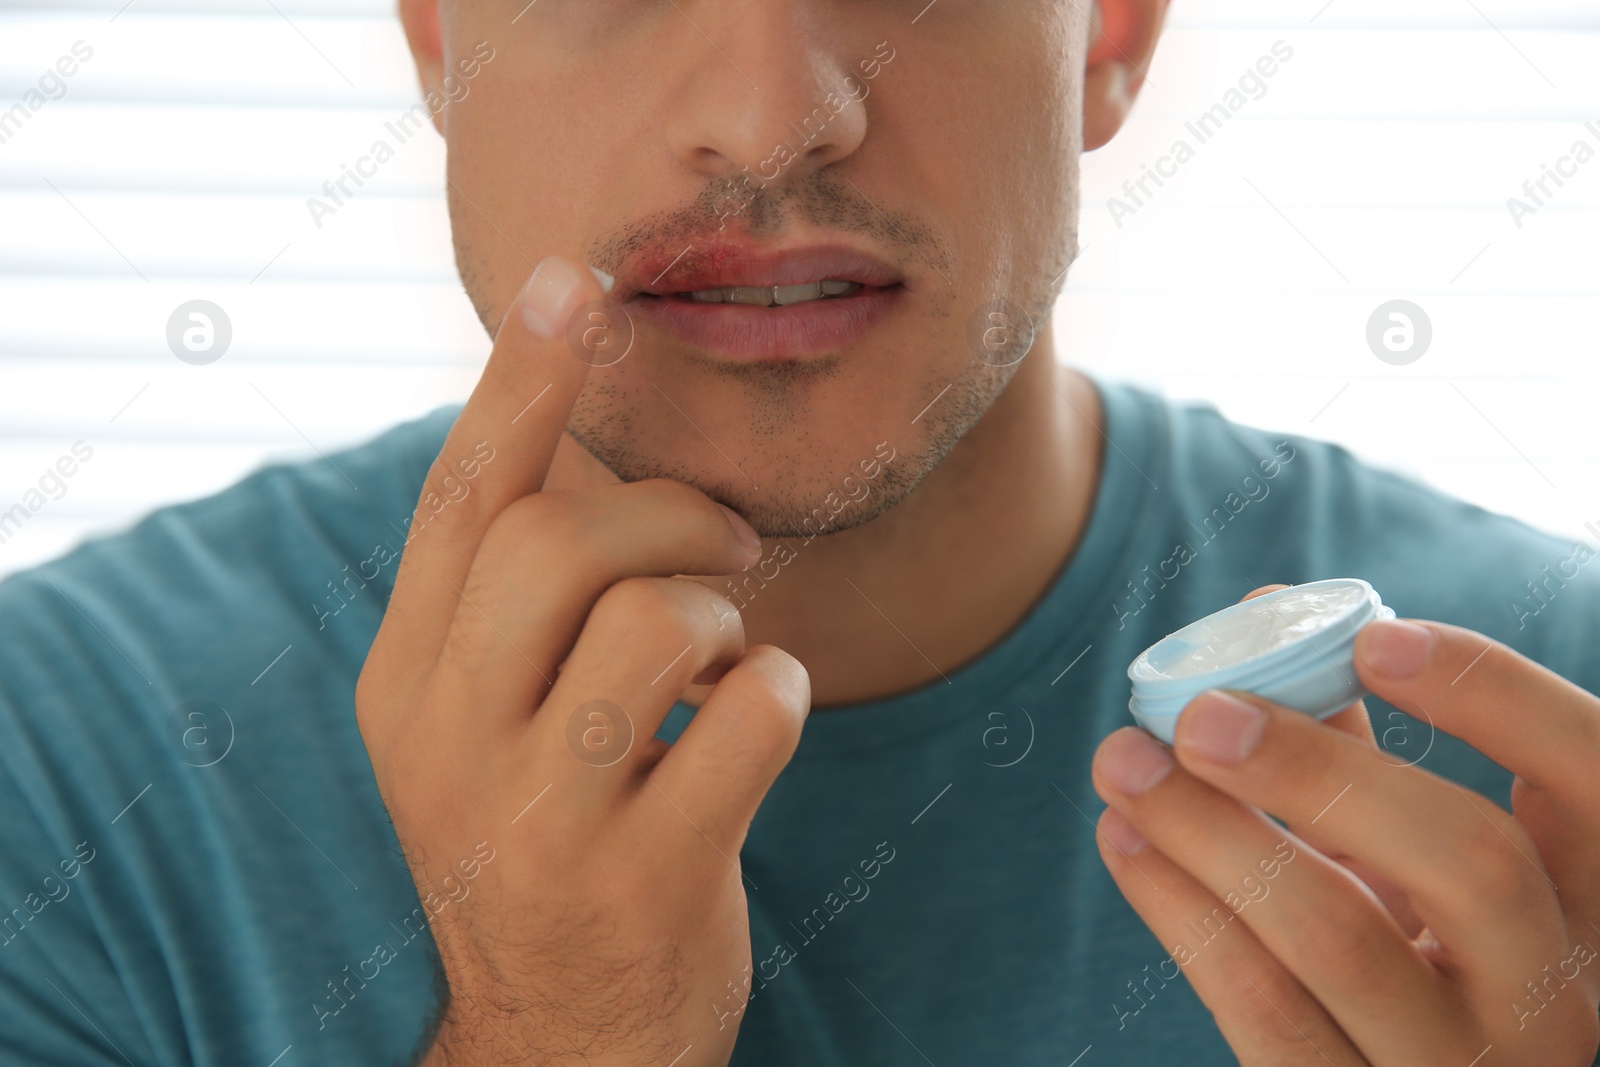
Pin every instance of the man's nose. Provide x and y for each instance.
(764, 84)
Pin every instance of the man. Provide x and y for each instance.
(517, 695)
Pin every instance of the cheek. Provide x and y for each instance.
(537, 167)
(972, 156)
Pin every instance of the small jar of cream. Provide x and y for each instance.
(1295, 647)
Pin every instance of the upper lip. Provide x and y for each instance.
(730, 265)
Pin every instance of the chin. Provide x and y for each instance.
(784, 489)
(799, 448)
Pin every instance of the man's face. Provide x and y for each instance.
(716, 145)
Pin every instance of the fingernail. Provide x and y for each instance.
(606, 281)
(1221, 727)
(546, 299)
(1397, 649)
(1122, 834)
(1132, 762)
(746, 532)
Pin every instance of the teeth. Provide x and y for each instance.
(796, 294)
(749, 294)
(776, 295)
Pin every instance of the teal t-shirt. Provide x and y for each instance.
(195, 867)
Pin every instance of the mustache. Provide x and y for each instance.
(745, 205)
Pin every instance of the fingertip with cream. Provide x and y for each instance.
(549, 297)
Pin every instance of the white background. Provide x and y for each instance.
(1376, 166)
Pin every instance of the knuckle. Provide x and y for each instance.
(1588, 731)
(539, 527)
(1256, 992)
(644, 610)
(458, 653)
(1494, 864)
(668, 494)
(1325, 936)
(374, 695)
(537, 519)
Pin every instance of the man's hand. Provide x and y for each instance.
(1400, 919)
(533, 645)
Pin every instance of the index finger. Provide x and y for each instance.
(507, 433)
(1536, 724)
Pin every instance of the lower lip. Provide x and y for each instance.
(750, 334)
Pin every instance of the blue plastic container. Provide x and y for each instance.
(1295, 647)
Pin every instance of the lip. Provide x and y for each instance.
(745, 333)
(718, 266)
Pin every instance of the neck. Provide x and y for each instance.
(911, 596)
